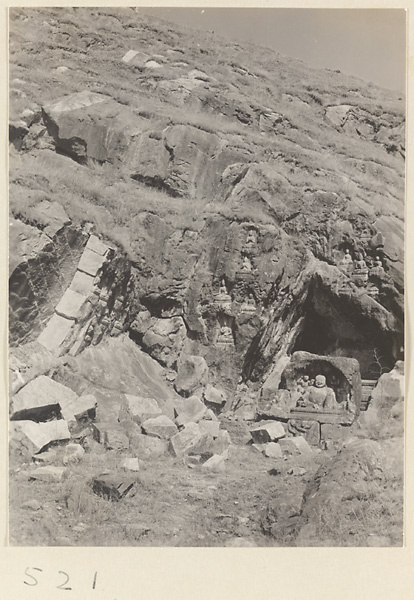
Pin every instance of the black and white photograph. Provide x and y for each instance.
(206, 277)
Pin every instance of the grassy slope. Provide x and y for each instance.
(310, 154)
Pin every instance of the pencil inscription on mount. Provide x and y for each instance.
(206, 276)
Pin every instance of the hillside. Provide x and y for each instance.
(231, 218)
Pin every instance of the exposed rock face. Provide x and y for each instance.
(223, 210)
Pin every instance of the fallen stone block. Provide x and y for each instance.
(222, 442)
(79, 408)
(185, 439)
(289, 447)
(31, 437)
(297, 471)
(302, 445)
(45, 457)
(215, 463)
(267, 431)
(189, 410)
(147, 446)
(48, 473)
(70, 305)
(73, 454)
(32, 505)
(55, 333)
(260, 448)
(111, 435)
(41, 399)
(90, 262)
(131, 464)
(273, 450)
(214, 398)
(210, 427)
(142, 409)
(113, 486)
(161, 427)
(210, 415)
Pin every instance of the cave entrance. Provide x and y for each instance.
(334, 328)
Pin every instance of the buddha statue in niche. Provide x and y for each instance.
(317, 395)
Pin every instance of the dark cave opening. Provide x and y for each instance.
(330, 329)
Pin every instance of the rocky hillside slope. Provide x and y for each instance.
(186, 214)
(217, 174)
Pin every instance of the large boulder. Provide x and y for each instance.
(192, 375)
(385, 414)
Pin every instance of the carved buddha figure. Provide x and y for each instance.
(318, 396)
(347, 259)
(247, 265)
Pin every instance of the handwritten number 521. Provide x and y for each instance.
(33, 578)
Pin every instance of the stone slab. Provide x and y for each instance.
(82, 283)
(48, 473)
(131, 464)
(70, 305)
(39, 398)
(189, 410)
(161, 427)
(273, 450)
(210, 427)
(215, 463)
(267, 431)
(113, 486)
(301, 444)
(90, 262)
(184, 440)
(55, 333)
(95, 244)
(321, 416)
(111, 435)
(43, 434)
(141, 409)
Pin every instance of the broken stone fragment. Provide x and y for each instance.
(48, 473)
(302, 445)
(214, 398)
(73, 453)
(222, 443)
(32, 505)
(184, 440)
(83, 408)
(39, 400)
(267, 431)
(111, 435)
(147, 446)
(141, 409)
(297, 471)
(215, 463)
(210, 427)
(113, 486)
(190, 410)
(29, 437)
(131, 464)
(45, 457)
(161, 427)
(273, 450)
